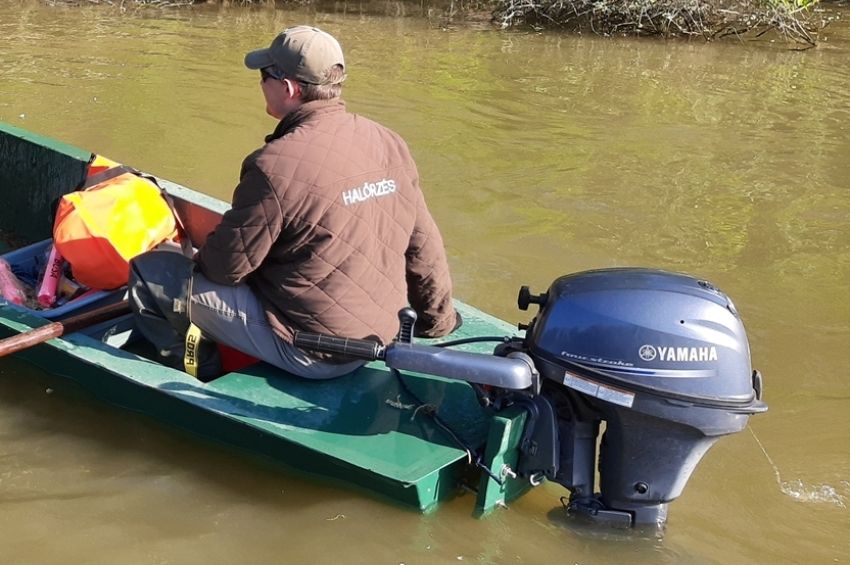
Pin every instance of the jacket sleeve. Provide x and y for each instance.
(429, 285)
(240, 243)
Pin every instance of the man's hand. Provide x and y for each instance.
(458, 322)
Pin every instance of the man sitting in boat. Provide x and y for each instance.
(328, 232)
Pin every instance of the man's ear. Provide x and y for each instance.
(293, 89)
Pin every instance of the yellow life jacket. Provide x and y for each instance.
(115, 217)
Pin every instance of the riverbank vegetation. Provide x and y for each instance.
(795, 21)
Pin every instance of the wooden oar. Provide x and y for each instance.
(56, 329)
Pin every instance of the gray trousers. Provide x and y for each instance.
(165, 294)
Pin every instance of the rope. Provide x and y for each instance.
(397, 403)
(471, 456)
(478, 339)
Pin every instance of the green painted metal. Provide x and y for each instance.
(35, 170)
(501, 456)
(362, 429)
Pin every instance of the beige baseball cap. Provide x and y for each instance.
(304, 53)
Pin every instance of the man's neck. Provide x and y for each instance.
(299, 115)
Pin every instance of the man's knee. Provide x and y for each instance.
(161, 268)
(159, 286)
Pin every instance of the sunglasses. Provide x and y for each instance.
(271, 72)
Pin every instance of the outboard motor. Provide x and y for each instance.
(662, 359)
(659, 360)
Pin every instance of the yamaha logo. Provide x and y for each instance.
(647, 352)
(679, 354)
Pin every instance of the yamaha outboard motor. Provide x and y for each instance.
(658, 360)
(661, 361)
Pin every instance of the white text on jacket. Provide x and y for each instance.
(368, 190)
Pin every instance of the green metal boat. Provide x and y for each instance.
(363, 429)
(658, 360)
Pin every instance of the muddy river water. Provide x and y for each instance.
(541, 154)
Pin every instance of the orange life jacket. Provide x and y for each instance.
(100, 228)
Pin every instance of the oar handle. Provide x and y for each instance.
(29, 338)
(53, 330)
(95, 316)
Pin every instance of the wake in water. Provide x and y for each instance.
(802, 492)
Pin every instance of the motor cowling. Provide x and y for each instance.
(662, 359)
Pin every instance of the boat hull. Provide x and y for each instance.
(362, 429)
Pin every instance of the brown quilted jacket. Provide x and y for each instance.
(330, 228)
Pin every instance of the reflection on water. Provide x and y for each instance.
(540, 154)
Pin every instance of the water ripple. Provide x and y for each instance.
(801, 492)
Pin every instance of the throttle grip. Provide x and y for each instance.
(359, 348)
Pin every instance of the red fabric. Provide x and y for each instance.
(233, 359)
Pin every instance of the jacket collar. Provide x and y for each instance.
(305, 112)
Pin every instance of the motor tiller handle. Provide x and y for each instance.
(359, 348)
